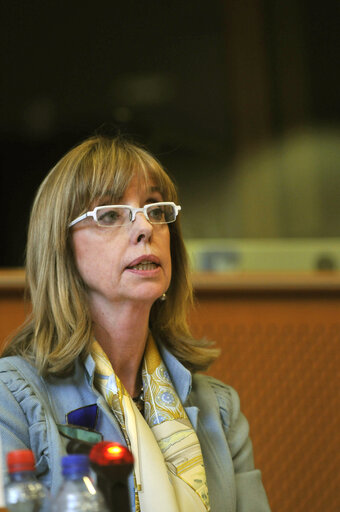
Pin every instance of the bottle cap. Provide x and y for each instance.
(20, 460)
(75, 465)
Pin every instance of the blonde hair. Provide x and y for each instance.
(59, 328)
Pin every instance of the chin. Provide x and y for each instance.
(150, 296)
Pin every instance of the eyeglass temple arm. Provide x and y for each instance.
(78, 219)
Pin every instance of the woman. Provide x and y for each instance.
(107, 345)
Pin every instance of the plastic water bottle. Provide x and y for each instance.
(77, 493)
(24, 493)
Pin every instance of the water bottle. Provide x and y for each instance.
(24, 493)
(77, 493)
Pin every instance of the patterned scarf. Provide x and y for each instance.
(168, 465)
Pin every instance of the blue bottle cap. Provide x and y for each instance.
(75, 465)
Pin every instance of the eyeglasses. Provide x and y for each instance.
(114, 216)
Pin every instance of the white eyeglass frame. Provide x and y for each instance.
(133, 211)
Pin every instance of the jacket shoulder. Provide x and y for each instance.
(16, 368)
(225, 397)
(23, 410)
(11, 363)
(23, 386)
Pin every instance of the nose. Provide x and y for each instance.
(142, 229)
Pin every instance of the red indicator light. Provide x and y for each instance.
(115, 451)
(107, 453)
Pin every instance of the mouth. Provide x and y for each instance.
(144, 265)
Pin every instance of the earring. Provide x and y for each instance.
(162, 297)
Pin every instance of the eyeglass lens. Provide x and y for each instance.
(121, 215)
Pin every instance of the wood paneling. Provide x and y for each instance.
(281, 353)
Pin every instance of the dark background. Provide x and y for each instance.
(197, 82)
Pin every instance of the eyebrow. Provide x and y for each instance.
(154, 190)
(150, 190)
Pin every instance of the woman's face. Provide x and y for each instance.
(108, 259)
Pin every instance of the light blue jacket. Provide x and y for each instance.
(31, 406)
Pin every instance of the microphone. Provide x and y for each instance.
(113, 463)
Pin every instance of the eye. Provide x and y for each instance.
(156, 213)
(109, 216)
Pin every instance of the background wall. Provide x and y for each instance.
(239, 100)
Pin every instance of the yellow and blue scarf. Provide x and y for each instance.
(169, 471)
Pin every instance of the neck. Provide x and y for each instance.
(122, 333)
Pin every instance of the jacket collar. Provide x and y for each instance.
(180, 376)
(90, 366)
(182, 380)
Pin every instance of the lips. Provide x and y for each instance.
(145, 262)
